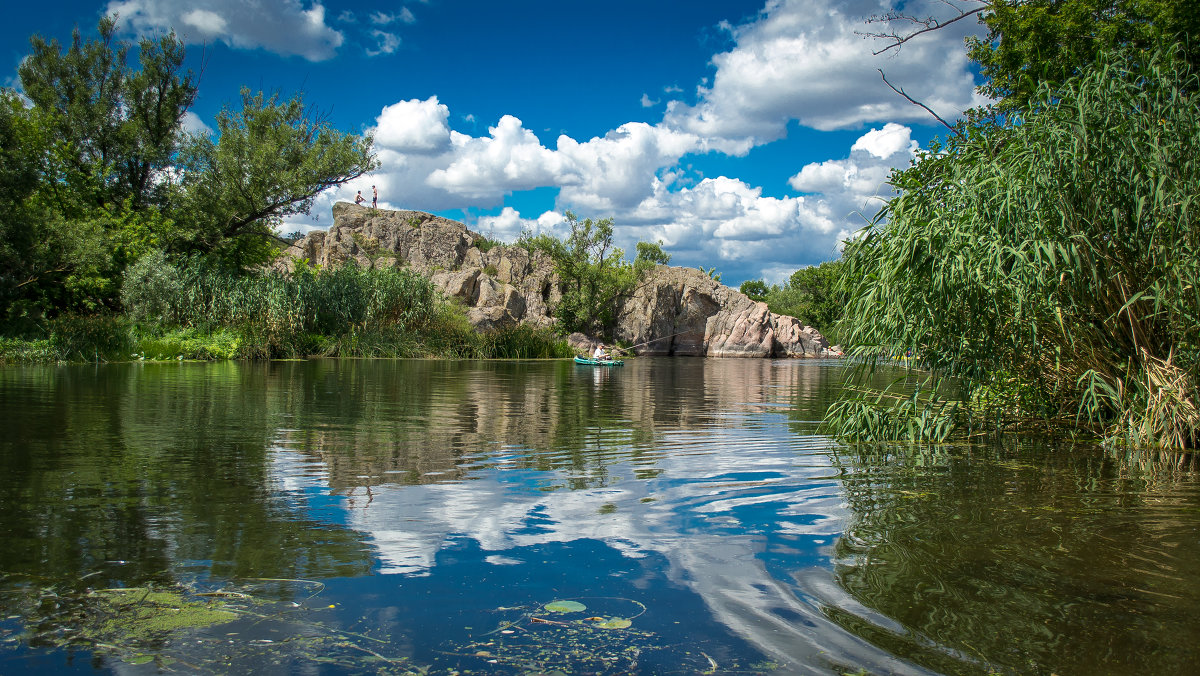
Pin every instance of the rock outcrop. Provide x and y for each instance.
(675, 311)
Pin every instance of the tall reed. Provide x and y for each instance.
(1061, 249)
(343, 311)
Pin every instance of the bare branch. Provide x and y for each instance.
(918, 103)
(895, 39)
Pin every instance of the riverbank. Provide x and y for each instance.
(116, 338)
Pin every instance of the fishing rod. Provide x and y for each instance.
(654, 340)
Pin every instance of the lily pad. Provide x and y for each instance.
(564, 606)
(615, 623)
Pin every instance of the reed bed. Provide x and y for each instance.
(194, 310)
(1060, 252)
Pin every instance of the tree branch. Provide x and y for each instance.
(918, 103)
(896, 39)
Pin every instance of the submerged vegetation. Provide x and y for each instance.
(1044, 265)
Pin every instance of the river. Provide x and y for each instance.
(671, 516)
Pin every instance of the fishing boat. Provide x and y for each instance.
(598, 362)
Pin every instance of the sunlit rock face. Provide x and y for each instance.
(675, 311)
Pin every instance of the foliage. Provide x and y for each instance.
(115, 128)
(1060, 247)
(810, 295)
(594, 275)
(1031, 43)
(652, 253)
(96, 172)
(346, 311)
(269, 160)
(880, 416)
(755, 289)
(486, 244)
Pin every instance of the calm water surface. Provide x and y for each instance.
(674, 516)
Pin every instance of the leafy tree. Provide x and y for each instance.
(594, 275)
(97, 171)
(651, 254)
(268, 160)
(755, 289)
(116, 129)
(1035, 42)
(810, 295)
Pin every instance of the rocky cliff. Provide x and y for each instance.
(676, 311)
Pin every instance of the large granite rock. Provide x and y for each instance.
(682, 311)
(675, 311)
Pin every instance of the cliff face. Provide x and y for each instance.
(676, 311)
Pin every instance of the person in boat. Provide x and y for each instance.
(599, 354)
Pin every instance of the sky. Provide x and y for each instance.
(748, 136)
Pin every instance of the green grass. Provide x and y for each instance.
(200, 313)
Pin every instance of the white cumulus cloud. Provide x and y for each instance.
(286, 27)
(508, 225)
(802, 60)
(414, 126)
(797, 60)
(509, 158)
(883, 143)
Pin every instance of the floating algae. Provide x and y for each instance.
(559, 638)
(212, 631)
(565, 606)
(134, 616)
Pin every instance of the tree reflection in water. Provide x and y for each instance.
(1022, 557)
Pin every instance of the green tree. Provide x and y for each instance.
(97, 171)
(1035, 42)
(1030, 43)
(116, 128)
(810, 295)
(267, 161)
(755, 289)
(594, 275)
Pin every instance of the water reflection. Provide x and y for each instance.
(1029, 559)
(433, 500)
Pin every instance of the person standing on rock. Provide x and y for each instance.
(374, 198)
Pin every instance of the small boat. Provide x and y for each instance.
(598, 362)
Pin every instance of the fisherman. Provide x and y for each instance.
(600, 354)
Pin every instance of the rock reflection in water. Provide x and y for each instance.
(694, 461)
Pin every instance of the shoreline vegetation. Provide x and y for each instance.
(1043, 260)
(197, 312)
(1040, 264)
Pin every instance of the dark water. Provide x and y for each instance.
(418, 516)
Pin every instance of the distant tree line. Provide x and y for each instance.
(810, 294)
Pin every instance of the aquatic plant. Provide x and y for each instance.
(1060, 247)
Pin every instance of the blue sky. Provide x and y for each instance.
(747, 136)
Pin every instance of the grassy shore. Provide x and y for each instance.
(198, 312)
